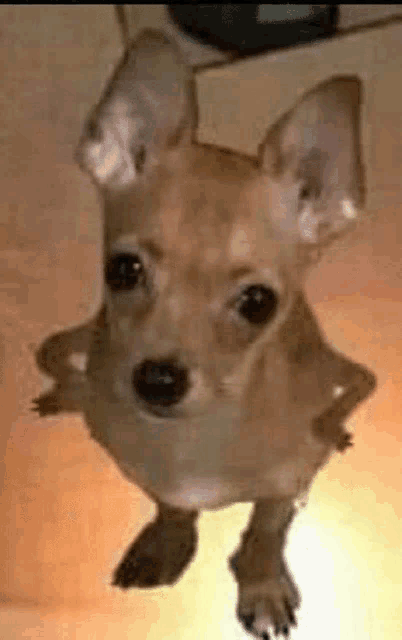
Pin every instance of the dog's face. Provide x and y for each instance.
(206, 250)
(192, 287)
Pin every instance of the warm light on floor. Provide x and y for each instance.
(336, 590)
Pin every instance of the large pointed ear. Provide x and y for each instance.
(148, 106)
(313, 155)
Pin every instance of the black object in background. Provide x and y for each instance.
(249, 29)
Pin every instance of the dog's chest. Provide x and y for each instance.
(202, 466)
(287, 478)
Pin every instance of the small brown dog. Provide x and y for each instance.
(207, 378)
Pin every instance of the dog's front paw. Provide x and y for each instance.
(267, 606)
(47, 404)
(157, 558)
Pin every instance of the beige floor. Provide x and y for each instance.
(67, 514)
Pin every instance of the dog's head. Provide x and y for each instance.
(206, 250)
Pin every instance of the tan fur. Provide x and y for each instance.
(264, 404)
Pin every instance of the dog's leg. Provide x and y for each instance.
(328, 426)
(54, 359)
(162, 552)
(267, 594)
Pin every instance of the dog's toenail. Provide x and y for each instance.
(248, 620)
(233, 563)
(291, 615)
(265, 636)
(285, 631)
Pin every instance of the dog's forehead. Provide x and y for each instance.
(215, 208)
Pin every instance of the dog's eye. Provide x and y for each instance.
(123, 272)
(257, 304)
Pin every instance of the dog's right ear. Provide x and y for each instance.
(314, 155)
(148, 106)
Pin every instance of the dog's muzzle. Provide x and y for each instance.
(160, 383)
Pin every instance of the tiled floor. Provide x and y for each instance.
(67, 514)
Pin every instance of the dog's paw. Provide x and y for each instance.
(157, 558)
(266, 608)
(47, 404)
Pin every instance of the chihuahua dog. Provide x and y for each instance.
(207, 377)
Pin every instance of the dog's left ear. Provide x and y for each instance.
(313, 155)
(148, 106)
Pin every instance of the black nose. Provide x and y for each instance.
(160, 383)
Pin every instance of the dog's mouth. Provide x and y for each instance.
(182, 411)
(151, 410)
